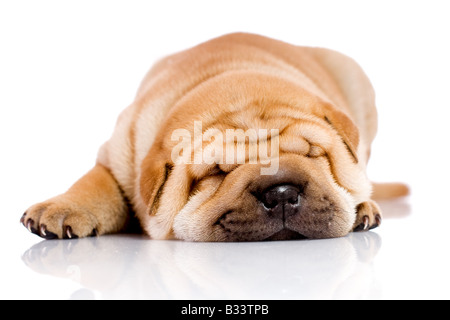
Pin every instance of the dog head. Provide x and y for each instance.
(294, 174)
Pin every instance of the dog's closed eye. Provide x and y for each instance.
(167, 170)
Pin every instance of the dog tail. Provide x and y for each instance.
(382, 191)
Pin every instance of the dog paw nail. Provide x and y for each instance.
(69, 233)
(43, 230)
(30, 226)
(378, 219)
(22, 219)
(366, 222)
(360, 227)
(377, 222)
(44, 233)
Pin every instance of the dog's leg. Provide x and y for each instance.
(368, 216)
(94, 205)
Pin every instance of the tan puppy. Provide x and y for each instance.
(241, 138)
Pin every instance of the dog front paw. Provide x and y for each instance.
(368, 216)
(60, 219)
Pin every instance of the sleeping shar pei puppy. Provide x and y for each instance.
(241, 138)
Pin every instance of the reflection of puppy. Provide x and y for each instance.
(338, 268)
(315, 106)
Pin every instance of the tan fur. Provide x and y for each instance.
(321, 102)
(93, 205)
(383, 191)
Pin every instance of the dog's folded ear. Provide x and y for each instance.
(345, 127)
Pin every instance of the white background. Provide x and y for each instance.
(68, 68)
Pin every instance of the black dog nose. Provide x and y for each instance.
(281, 201)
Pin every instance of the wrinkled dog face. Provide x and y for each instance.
(245, 206)
(307, 190)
